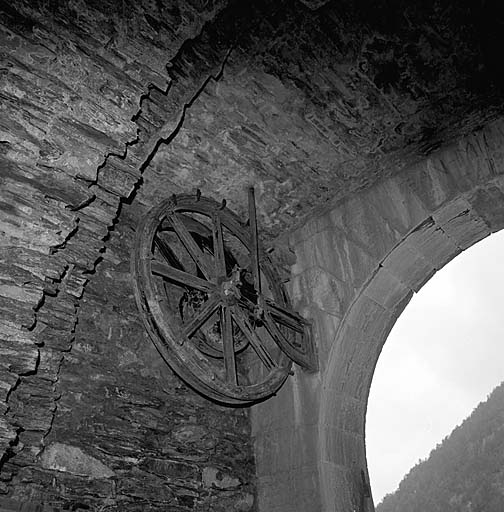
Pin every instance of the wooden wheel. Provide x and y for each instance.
(211, 300)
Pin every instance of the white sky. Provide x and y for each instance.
(444, 355)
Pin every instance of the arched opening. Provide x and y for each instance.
(441, 359)
(424, 219)
(357, 267)
(362, 334)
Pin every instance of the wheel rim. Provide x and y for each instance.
(203, 315)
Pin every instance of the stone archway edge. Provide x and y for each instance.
(357, 267)
(463, 200)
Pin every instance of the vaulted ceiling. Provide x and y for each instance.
(312, 104)
(308, 101)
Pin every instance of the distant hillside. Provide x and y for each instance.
(465, 473)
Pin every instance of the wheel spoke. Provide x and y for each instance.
(191, 246)
(285, 316)
(275, 332)
(203, 315)
(218, 246)
(261, 351)
(228, 345)
(167, 253)
(180, 277)
(254, 240)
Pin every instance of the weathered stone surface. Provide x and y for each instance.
(322, 289)
(71, 108)
(275, 491)
(486, 203)
(409, 267)
(71, 459)
(386, 289)
(334, 252)
(213, 477)
(123, 416)
(286, 449)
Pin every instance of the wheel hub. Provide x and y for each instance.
(230, 288)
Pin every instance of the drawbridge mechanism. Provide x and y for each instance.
(212, 302)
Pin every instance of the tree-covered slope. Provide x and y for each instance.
(465, 473)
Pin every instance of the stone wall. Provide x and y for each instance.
(90, 418)
(127, 433)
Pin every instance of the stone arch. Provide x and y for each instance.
(357, 267)
(465, 205)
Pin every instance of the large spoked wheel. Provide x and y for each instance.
(211, 300)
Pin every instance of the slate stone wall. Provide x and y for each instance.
(90, 418)
(357, 267)
(127, 433)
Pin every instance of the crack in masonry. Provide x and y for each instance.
(61, 246)
(31, 328)
(10, 450)
(56, 394)
(151, 147)
(153, 144)
(122, 156)
(60, 288)
(83, 204)
(165, 136)
(143, 97)
(17, 429)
